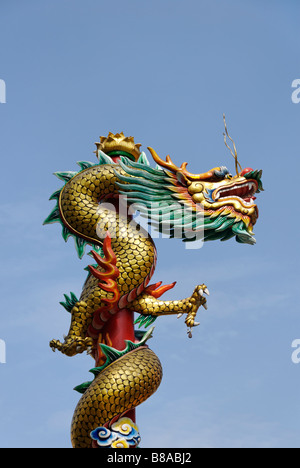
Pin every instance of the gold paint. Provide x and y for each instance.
(133, 378)
(118, 142)
(143, 384)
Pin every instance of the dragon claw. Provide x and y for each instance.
(196, 300)
(72, 345)
(202, 290)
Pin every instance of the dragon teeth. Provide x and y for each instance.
(222, 192)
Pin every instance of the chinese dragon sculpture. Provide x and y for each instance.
(96, 207)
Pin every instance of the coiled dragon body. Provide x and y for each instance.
(96, 207)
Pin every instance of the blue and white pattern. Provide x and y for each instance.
(122, 434)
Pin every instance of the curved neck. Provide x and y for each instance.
(89, 207)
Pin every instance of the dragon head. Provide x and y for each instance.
(225, 203)
(228, 201)
(224, 190)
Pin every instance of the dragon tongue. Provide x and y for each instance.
(250, 199)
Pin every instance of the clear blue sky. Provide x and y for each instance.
(163, 71)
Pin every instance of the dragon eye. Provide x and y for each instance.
(228, 176)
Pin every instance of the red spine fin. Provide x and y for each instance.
(156, 290)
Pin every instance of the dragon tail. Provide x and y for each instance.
(127, 379)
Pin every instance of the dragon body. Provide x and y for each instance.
(96, 206)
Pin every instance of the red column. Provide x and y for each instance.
(120, 328)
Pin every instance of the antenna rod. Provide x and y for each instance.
(237, 164)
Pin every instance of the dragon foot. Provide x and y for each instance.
(72, 345)
(196, 300)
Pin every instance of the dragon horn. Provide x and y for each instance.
(168, 164)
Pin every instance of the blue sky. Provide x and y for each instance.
(165, 72)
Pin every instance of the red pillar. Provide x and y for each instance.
(120, 328)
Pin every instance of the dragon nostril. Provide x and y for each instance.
(245, 171)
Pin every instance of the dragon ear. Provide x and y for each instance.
(182, 179)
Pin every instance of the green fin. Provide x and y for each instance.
(65, 176)
(55, 195)
(145, 320)
(53, 217)
(65, 233)
(82, 387)
(143, 159)
(104, 158)
(70, 302)
(85, 164)
(80, 245)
